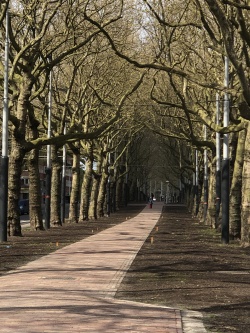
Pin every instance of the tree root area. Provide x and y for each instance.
(17, 251)
(184, 265)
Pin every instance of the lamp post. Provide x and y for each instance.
(225, 164)
(161, 192)
(108, 188)
(205, 205)
(218, 161)
(196, 182)
(5, 158)
(48, 166)
(63, 179)
(167, 191)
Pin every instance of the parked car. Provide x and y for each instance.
(24, 206)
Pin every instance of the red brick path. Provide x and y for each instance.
(72, 289)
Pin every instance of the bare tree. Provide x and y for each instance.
(36, 33)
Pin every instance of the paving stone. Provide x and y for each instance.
(73, 289)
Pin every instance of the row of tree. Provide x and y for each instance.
(122, 69)
(93, 94)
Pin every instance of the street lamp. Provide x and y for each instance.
(48, 167)
(218, 161)
(167, 191)
(205, 205)
(109, 188)
(63, 179)
(225, 169)
(5, 158)
(196, 182)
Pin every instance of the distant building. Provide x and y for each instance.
(25, 181)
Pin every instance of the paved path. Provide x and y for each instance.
(72, 289)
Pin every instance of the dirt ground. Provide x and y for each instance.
(182, 264)
(34, 244)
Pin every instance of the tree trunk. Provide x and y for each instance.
(17, 155)
(211, 212)
(14, 188)
(102, 188)
(94, 193)
(236, 188)
(200, 214)
(75, 191)
(189, 197)
(119, 189)
(93, 199)
(101, 195)
(85, 190)
(35, 198)
(55, 188)
(245, 208)
(112, 196)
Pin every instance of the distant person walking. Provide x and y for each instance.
(151, 202)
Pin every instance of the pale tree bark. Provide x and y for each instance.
(211, 212)
(21, 81)
(88, 174)
(94, 192)
(245, 207)
(197, 200)
(55, 187)
(98, 192)
(192, 202)
(3, 8)
(14, 187)
(17, 154)
(101, 209)
(30, 47)
(75, 190)
(200, 214)
(236, 188)
(35, 197)
(86, 187)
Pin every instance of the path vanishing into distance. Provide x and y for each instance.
(72, 289)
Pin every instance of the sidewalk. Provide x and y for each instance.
(72, 289)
